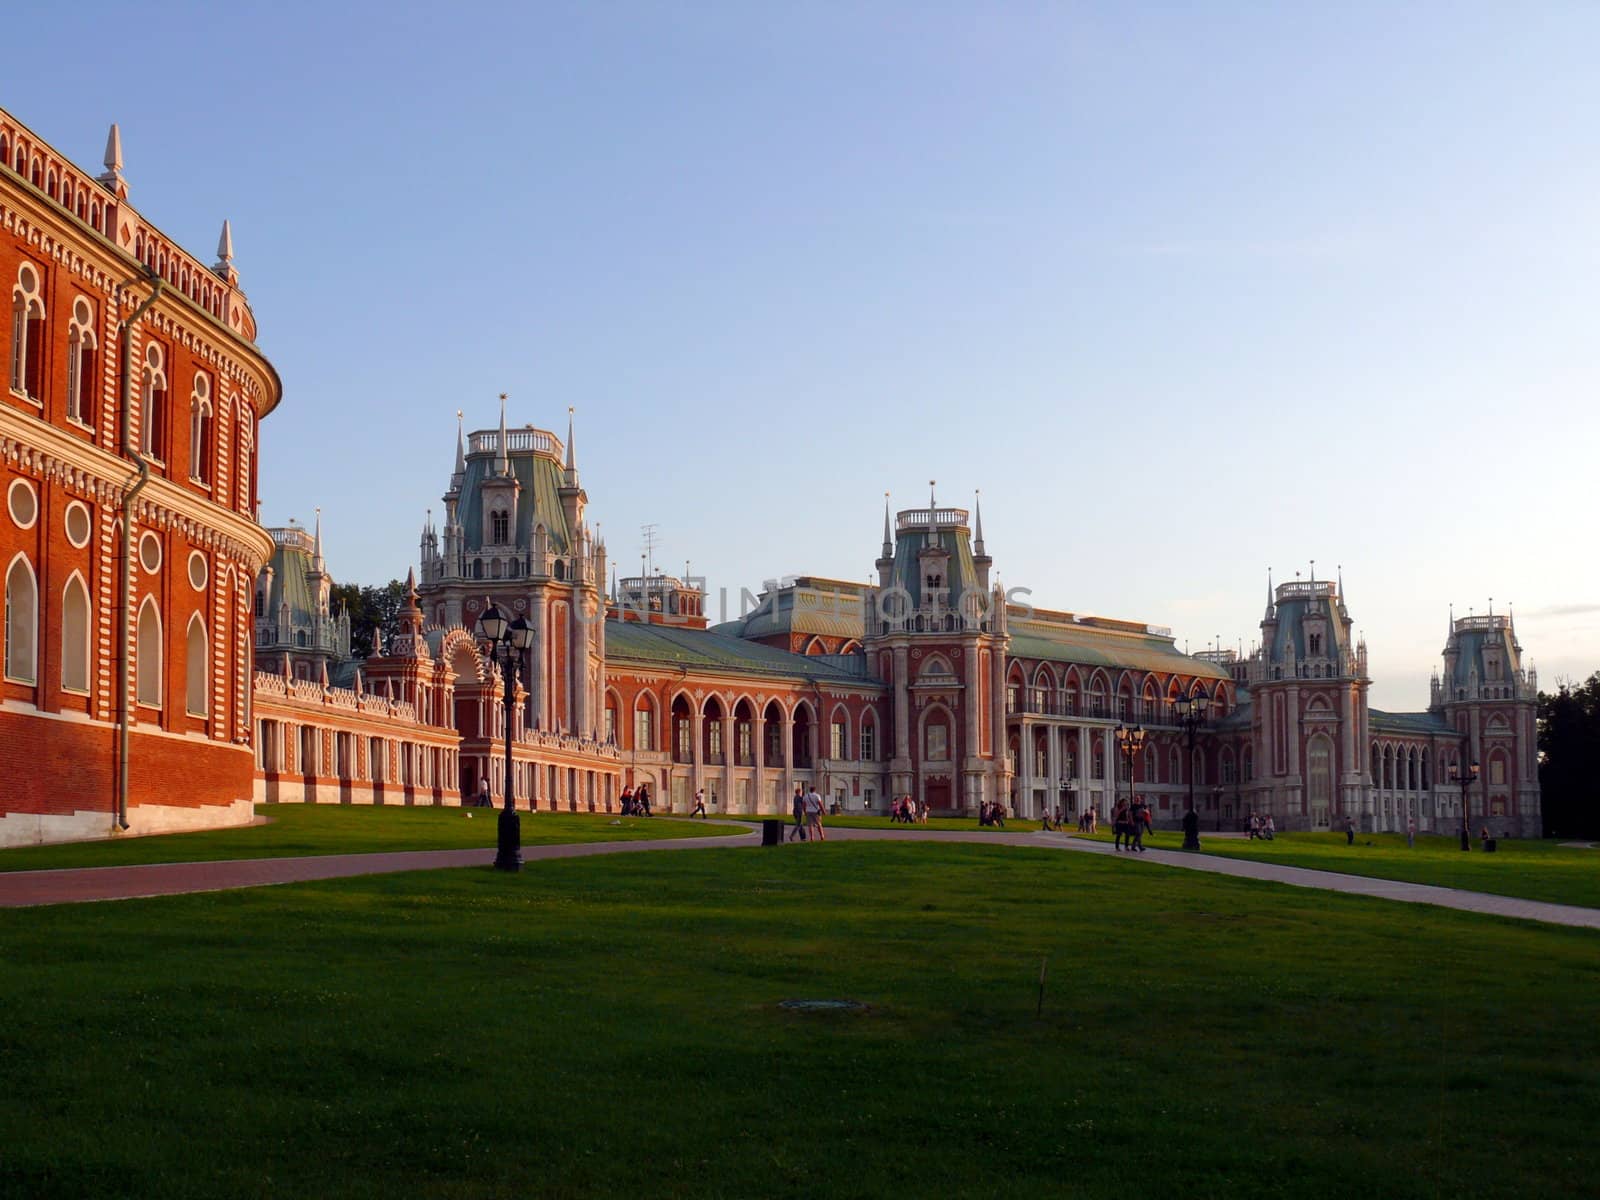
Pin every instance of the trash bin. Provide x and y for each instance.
(1488, 845)
(771, 832)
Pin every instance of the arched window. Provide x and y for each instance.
(80, 362)
(22, 622)
(75, 636)
(148, 643)
(644, 724)
(200, 424)
(869, 738)
(1319, 775)
(197, 660)
(499, 528)
(839, 738)
(1176, 762)
(27, 332)
(153, 403)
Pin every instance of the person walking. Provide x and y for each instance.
(1411, 833)
(1349, 831)
(483, 800)
(627, 801)
(797, 806)
(1119, 825)
(699, 805)
(1138, 822)
(814, 816)
(641, 801)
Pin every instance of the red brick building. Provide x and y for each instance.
(128, 432)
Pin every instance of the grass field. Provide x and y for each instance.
(946, 823)
(1526, 868)
(301, 829)
(611, 1027)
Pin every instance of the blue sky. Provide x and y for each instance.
(1187, 291)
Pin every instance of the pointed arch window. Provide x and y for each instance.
(197, 662)
(75, 626)
(869, 738)
(81, 347)
(499, 527)
(153, 403)
(27, 332)
(148, 643)
(22, 622)
(200, 430)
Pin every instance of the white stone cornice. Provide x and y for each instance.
(40, 449)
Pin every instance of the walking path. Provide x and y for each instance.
(26, 888)
(20, 889)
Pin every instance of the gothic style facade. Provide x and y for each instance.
(154, 632)
(128, 542)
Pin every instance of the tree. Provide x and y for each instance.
(370, 608)
(1569, 759)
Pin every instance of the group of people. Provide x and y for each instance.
(993, 815)
(1262, 827)
(636, 802)
(1129, 823)
(906, 810)
(807, 808)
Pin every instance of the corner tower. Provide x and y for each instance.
(937, 632)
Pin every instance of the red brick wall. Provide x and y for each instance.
(72, 767)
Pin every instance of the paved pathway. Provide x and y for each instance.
(19, 889)
(24, 888)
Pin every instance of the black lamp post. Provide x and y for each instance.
(1464, 779)
(1191, 718)
(1130, 742)
(504, 643)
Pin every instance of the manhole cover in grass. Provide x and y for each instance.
(822, 1005)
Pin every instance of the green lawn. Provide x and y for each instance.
(873, 822)
(301, 829)
(609, 1027)
(1526, 868)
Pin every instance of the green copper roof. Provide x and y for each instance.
(706, 650)
(539, 499)
(829, 608)
(289, 566)
(909, 544)
(1101, 648)
(1423, 722)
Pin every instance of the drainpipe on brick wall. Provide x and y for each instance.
(124, 586)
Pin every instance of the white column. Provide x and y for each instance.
(1052, 764)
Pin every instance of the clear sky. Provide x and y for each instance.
(1188, 291)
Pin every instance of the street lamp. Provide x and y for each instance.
(1191, 718)
(1130, 742)
(504, 643)
(1068, 786)
(1464, 780)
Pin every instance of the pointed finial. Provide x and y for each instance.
(505, 457)
(977, 509)
(572, 452)
(888, 549)
(113, 158)
(932, 504)
(461, 450)
(225, 243)
(112, 175)
(319, 531)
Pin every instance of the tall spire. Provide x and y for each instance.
(977, 508)
(571, 479)
(888, 545)
(1271, 611)
(316, 552)
(461, 449)
(225, 243)
(505, 456)
(112, 175)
